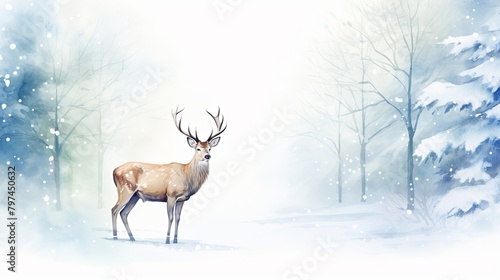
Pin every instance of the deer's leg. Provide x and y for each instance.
(178, 209)
(126, 210)
(123, 198)
(170, 212)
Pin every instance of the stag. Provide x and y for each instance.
(173, 183)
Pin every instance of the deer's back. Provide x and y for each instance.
(151, 181)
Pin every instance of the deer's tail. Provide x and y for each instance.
(114, 178)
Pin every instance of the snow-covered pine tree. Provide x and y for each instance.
(22, 106)
(466, 149)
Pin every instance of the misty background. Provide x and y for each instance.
(87, 86)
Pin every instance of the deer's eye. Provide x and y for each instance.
(198, 149)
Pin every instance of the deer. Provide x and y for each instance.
(173, 183)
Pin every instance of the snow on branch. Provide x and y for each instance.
(488, 72)
(460, 136)
(464, 200)
(481, 45)
(476, 172)
(442, 94)
(436, 144)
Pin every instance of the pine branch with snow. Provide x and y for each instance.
(470, 97)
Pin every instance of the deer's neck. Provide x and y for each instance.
(197, 173)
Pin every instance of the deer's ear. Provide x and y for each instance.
(191, 142)
(213, 142)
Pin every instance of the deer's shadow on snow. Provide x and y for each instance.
(183, 245)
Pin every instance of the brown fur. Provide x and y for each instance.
(172, 183)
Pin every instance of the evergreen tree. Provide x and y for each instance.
(468, 146)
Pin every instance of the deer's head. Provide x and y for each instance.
(202, 148)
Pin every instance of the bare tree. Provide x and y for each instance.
(330, 114)
(73, 60)
(344, 67)
(396, 34)
(365, 125)
(110, 78)
(110, 68)
(102, 136)
(107, 122)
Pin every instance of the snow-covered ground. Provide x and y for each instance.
(356, 242)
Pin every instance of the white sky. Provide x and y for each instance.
(252, 58)
(250, 63)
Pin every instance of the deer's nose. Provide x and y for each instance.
(207, 156)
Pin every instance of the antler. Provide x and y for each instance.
(179, 127)
(219, 122)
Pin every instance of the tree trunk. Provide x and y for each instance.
(411, 187)
(57, 158)
(339, 155)
(57, 172)
(100, 159)
(362, 159)
(362, 152)
(411, 133)
(339, 178)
